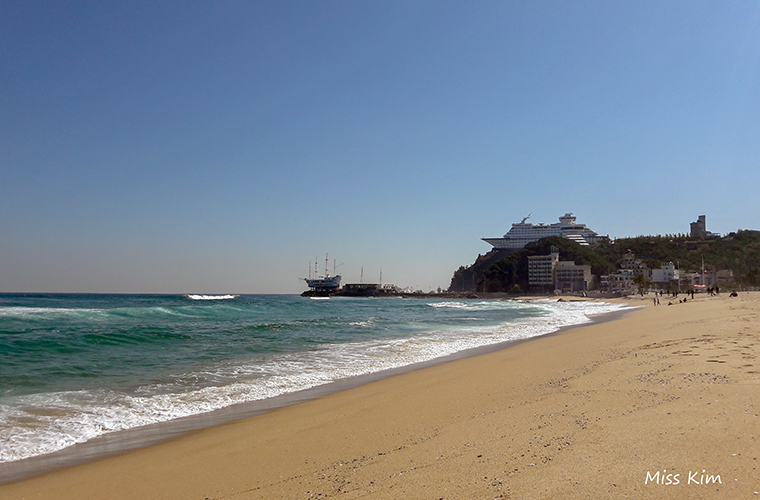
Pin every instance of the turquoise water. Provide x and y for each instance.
(73, 367)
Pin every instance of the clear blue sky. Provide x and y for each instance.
(213, 147)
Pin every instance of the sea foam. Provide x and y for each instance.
(211, 297)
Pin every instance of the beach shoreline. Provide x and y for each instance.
(611, 408)
(118, 442)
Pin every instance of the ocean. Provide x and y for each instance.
(74, 367)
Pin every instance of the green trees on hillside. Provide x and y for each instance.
(739, 252)
(505, 271)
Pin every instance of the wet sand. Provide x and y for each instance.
(660, 403)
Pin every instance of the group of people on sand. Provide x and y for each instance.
(712, 291)
(674, 294)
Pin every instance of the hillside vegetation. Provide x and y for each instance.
(505, 271)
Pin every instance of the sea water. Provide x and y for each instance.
(74, 367)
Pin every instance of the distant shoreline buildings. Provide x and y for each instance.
(523, 233)
(668, 276)
(548, 272)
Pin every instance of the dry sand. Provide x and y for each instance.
(593, 412)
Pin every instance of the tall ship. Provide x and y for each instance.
(524, 232)
(322, 285)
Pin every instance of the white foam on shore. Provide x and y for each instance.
(42, 423)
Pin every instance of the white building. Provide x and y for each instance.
(623, 280)
(666, 274)
(523, 233)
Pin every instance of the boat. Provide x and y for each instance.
(524, 232)
(322, 285)
(324, 282)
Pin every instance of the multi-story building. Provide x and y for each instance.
(541, 269)
(623, 280)
(618, 283)
(706, 278)
(547, 271)
(666, 275)
(634, 265)
(570, 277)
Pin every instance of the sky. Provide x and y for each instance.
(224, 147)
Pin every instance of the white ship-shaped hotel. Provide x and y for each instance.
(523, 233)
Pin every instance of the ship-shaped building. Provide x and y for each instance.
(523, 233)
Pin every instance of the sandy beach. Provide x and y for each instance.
(660, 403)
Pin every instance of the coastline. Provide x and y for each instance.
(596, 412)
(133, 439)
